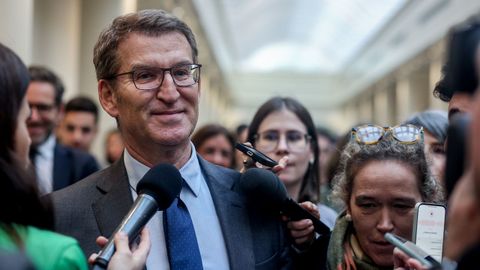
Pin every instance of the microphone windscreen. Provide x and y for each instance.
(163, 182)
(263, 188)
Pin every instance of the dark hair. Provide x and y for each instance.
(43, 74)
(309, 190)
(240, 128)
(327, 133)
(148, 22)
(459, 74)
(212, 130)
(355, 156)
(19, 197)
(435, 122)
(82, 104)
(442, 90)
(334, 161)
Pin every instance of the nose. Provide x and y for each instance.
(218, 159)
(168, 91)
(385, 224)
(34, 114)
(77, 135)
(282, 145)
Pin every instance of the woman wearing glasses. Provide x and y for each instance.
(382, 175)
(282, 128)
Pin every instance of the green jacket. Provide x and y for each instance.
(46, 250)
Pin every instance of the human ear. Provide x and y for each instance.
(107, 97)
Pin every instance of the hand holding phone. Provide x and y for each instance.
(413, 251)
(256, 155)
(429, 228)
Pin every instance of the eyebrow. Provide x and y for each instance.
(365, 198)
(144, 66)
(405, 201)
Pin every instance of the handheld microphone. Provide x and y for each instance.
(156, 191)
(264, 189)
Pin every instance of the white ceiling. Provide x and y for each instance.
(319, 51)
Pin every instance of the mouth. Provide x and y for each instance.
(35, 128)
(167, 112)
(290, 164)
(382, 245)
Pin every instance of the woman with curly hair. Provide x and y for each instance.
(383, 173)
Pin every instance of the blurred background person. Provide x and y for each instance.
(56, 166)
(24, 218)
(79, 124)
(435, 124)
(241, 133)
(458, 100)
(326, 145)
(215, 144)
(380, 179)
(460, 81)
(462, 243)
(113, 146)
(283, 127)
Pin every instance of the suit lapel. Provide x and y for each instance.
(233, 216)
(61, 167)
(110, 208)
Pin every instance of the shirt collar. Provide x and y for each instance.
(136, 170)
(46, 148)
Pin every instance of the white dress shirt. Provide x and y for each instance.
(198, 200)
(44, 165)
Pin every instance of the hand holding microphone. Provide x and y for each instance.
(126, 257)
(156, 191)
(263, 188)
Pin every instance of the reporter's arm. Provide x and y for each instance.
(125, 258)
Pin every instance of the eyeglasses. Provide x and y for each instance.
(372, 134)
(41, 108)
(151, 78)
(268, 140)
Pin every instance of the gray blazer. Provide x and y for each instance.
(95, 206)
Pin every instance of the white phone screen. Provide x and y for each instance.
(429, 229)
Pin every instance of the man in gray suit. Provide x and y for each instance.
(149, 81)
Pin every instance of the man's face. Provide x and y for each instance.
(460, 103)
(45, 114)
(162, 117)
(78, 129)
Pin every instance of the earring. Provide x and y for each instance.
(348, 217)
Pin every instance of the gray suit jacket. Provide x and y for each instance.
(96, 205)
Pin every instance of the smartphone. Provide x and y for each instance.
(412, 250)
(256, 155)
(429, 228)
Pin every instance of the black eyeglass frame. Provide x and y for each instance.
(163, 70)
(307, 137)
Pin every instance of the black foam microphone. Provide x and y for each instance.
(264, 189)
(156, 191)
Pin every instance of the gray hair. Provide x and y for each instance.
(149, 22)
(433, 121)
(355, 156)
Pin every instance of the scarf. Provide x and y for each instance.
(344, 252)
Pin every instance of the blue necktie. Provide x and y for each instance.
(182, 246)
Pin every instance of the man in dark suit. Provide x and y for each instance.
(56, 166)
(149, 81)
